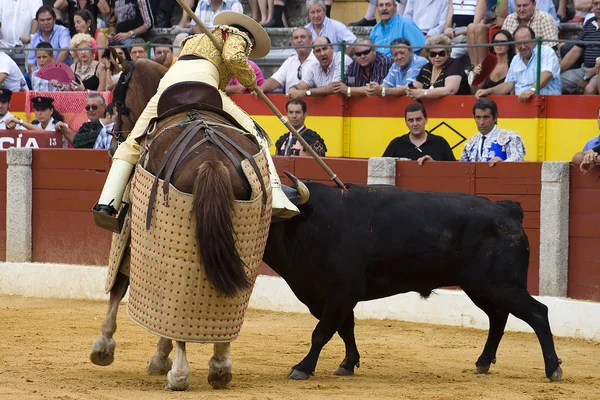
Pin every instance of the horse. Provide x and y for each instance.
(207, 164)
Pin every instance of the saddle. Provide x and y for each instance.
(186, 96)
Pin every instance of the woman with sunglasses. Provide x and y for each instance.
(504, 53)
(442, 75)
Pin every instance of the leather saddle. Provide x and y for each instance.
(189, 95)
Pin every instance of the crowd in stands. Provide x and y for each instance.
(393, 61)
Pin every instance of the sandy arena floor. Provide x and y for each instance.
(45, 344)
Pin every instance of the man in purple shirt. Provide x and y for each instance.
(234, 86)
(58, 36)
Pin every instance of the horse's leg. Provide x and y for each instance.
(178, 377)
(352, 358)
(103, 351)
(160, 364)
(219, 366)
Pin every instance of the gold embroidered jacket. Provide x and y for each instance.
(233, 60)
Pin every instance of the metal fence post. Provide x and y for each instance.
(149, 50)
(343, 60)
(538, 73)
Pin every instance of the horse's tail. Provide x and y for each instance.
(213, 205)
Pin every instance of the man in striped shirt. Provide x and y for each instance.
(208, 9)
(368, 67)
(583, 80)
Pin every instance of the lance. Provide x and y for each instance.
(268, 102)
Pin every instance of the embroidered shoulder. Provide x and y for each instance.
(472, 141)
(235, 31)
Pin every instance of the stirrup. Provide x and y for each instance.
(104, 217)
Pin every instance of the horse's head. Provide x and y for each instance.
(137, 84)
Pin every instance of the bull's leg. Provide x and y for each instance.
(352, 358)
(498, 320)
(103, 351)
(332, 318)
(219, 366)
(160, 364)
(178, 377)
(519, 302)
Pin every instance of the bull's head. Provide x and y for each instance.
(300, 188)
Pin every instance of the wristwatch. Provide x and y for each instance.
(308, 92)
(132, 34)
(532, 89)
(585, 78)
(425, 92)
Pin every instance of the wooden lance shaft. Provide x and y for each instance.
(268, 102)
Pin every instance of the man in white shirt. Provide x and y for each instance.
(207, 10)
(18, 21)
(11, 77)
(5, 115)
(429, 15)
(295, 67)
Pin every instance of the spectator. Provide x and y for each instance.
(320, 78)
(583, 80)
(208, 9)
(588, 157)
(18, 21)
(527, 14)
(46, 117)
(43, 56)
(84, 22)
(419, 144)
(430, 15)
(459, 17)
(405, 70)
(393, 26)
(369, 18)
(163, 54)
(73, 6)
(112, 67)
(542, 5)
(133, 18)
(492, 144)
(177, 43)
(108, 122)
(89, 73)
(369, 67)
(235, 87)
(442, 75)
(321, 25)
(584, 10)
(479, 31)
(295, 67)
(168, 6)
(58, 36)
(11, 77)
(505, 54)
(277, 20)
(5, 115)
(522, 71)
(287, 144)
(265, 8)
(138, 49)
(86, 136)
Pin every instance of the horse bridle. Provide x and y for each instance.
(121, 109)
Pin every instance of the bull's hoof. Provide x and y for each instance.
(177, 382)
(483, 369)
(298, 375)
(557, 375)
(159, 365)
(219, 379)
(103, 351)
(341, 371)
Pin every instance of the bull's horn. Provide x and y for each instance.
(300, 188)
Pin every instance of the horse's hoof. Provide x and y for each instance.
(219, 379)
(341, 371)
(159, 365)
(483, 369)
(557, 375)
(297, 375)
(177, 383)
(103, 351)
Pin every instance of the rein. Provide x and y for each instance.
(119, 94)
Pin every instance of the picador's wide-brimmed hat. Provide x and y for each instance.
(262, 41)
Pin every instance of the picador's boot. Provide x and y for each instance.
(112, 194)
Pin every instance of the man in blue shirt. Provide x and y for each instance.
(588, 158)
(58, 36)
(405, 69)
(393, 26)
(523, 70)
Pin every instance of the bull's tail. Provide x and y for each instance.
(513, 208)
(213, 205)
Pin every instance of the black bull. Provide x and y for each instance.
(371, 242)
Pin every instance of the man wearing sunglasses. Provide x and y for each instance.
(86, 136)
(369, 67)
